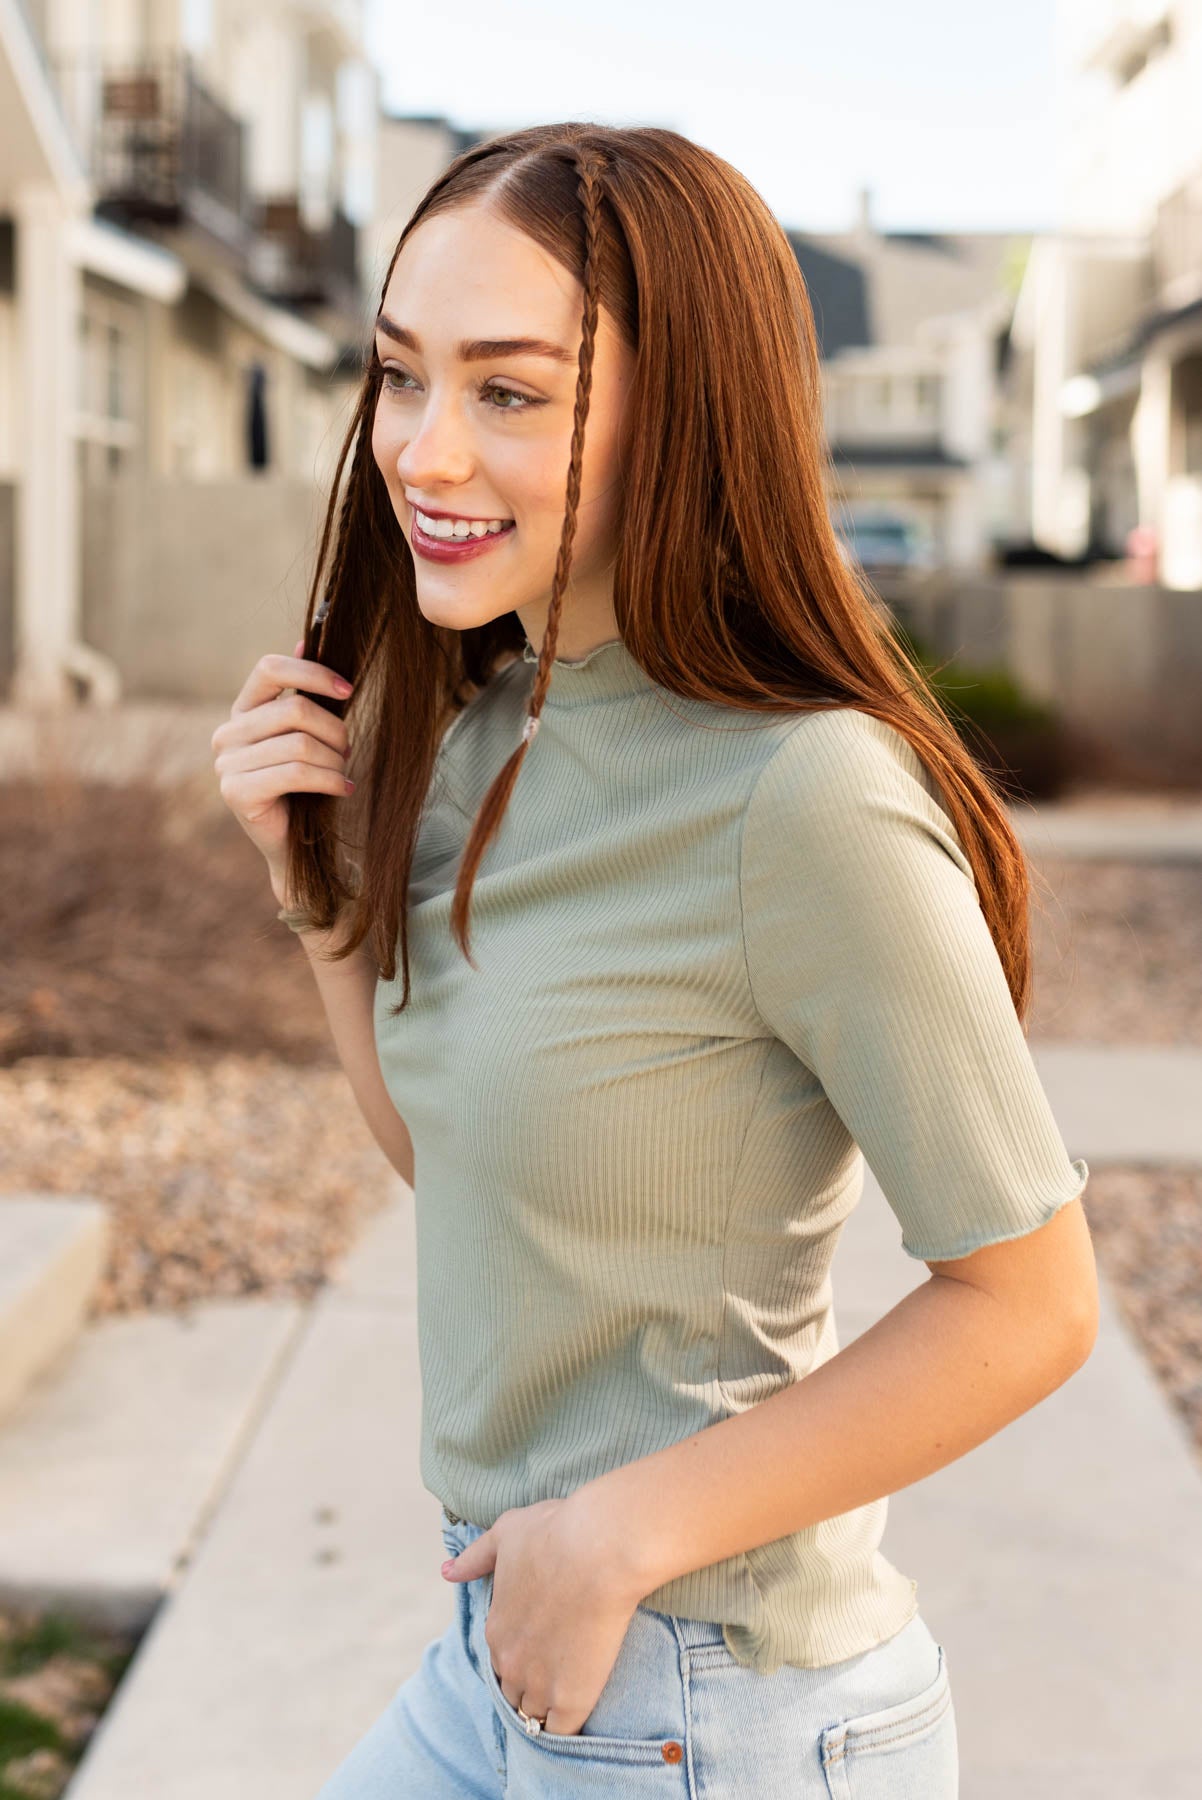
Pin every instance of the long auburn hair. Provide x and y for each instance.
(729, 585)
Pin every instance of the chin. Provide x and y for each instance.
(462, 616)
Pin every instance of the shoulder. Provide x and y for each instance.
(842, 791)
(835, 755)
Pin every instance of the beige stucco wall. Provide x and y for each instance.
(186, 584)
(1122, 664)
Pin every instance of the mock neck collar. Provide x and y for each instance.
(606, 672)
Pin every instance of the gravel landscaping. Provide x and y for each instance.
(236, 1175)
(1118, 952)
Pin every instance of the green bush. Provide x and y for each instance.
(1019, 740)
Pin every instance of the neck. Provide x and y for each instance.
(606, 672)
(579, 635)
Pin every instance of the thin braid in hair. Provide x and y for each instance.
(590, 198)
(492, 809)
(361, 438)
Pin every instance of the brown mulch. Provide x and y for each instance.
(139, 921)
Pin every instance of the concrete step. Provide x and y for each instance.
(111, 1465)
(52, 1254)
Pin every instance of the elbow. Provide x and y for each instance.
(1060, 1337)
(1086, 1319)
(1070, 1346)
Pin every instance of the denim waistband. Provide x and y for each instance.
(454, 1519)
(692, 1634)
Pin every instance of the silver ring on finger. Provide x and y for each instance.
(533, 1725)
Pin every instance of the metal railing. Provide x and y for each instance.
(160, 147)
(299, 264)
(157, 142)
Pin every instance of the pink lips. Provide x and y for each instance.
(454, 549)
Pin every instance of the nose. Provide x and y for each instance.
(438, 451)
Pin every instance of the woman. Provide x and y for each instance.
(750, 909)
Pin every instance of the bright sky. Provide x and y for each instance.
(944, 108)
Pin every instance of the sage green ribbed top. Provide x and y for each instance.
(720, 953)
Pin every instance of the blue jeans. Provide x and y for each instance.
(677, 1717)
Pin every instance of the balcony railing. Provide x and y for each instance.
(158, 145)
(293, 262)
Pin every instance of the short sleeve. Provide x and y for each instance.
(869, 956)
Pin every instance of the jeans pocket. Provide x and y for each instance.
(907, 1751)
(650, 1706)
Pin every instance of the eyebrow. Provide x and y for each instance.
(481, 349)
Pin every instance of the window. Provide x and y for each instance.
(106, 423)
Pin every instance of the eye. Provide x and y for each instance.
(493, 387)
(395, 379)
(394, 386)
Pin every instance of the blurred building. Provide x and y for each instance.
(412, 150)
(185, 191)
(909, 325)
(1107, 336)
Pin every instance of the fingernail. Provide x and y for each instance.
(447, 1566)
(341, 686)
(349, 783)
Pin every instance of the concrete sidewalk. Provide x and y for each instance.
(1060, 1564)
(1119, 832)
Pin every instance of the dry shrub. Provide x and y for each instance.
(138, 921)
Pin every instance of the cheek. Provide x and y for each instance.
(537, 484)
(385, 447)
(601, 486)
(532, 479)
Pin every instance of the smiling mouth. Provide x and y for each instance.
(456, 548)
(457, 525)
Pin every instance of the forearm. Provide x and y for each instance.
(942, 1371)
(347, 988)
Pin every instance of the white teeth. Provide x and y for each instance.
(459, 528)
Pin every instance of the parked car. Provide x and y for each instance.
(884, 543)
